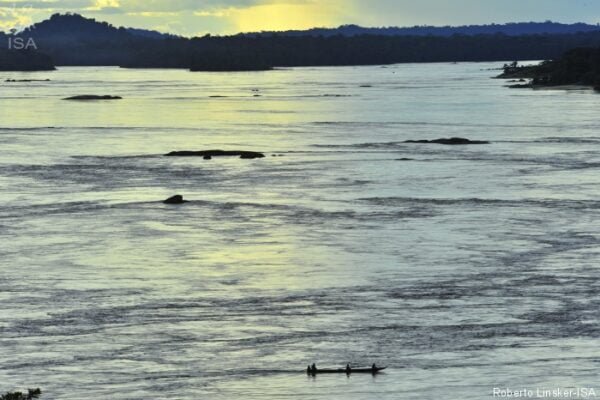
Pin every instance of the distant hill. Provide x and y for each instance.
(71, 39)
(510, 29)
(61, 25)
(150, 34)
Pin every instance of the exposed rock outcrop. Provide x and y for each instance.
(208, 154)
(26, 80)
(88, 97)
(177, 199)
(455, 141)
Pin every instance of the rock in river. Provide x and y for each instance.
(88, 97)
(216, 153)
(177, 199)
(26, 80)
(451, 141)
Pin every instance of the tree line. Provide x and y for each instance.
(72, 40)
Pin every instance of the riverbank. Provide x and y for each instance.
(577, 69)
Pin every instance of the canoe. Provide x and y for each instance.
(343, 371)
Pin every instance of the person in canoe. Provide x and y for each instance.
(313, 368)
(348, 369)
(374, 367)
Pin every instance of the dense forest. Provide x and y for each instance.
(74, 40)
(24, 60)
(240, 52)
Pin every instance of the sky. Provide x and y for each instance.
(198, 17)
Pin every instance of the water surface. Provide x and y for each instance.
(460, 268)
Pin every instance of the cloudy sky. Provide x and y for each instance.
(197, 17)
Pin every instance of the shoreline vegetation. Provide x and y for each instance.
(576, 69)
(73, 40)
(25, 60)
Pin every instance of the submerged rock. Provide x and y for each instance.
(84, 97)
(520, 86)
(249, 155)
(177, 199)
(31, 395)
(449, 141)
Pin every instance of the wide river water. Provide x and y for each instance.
(461, 268)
